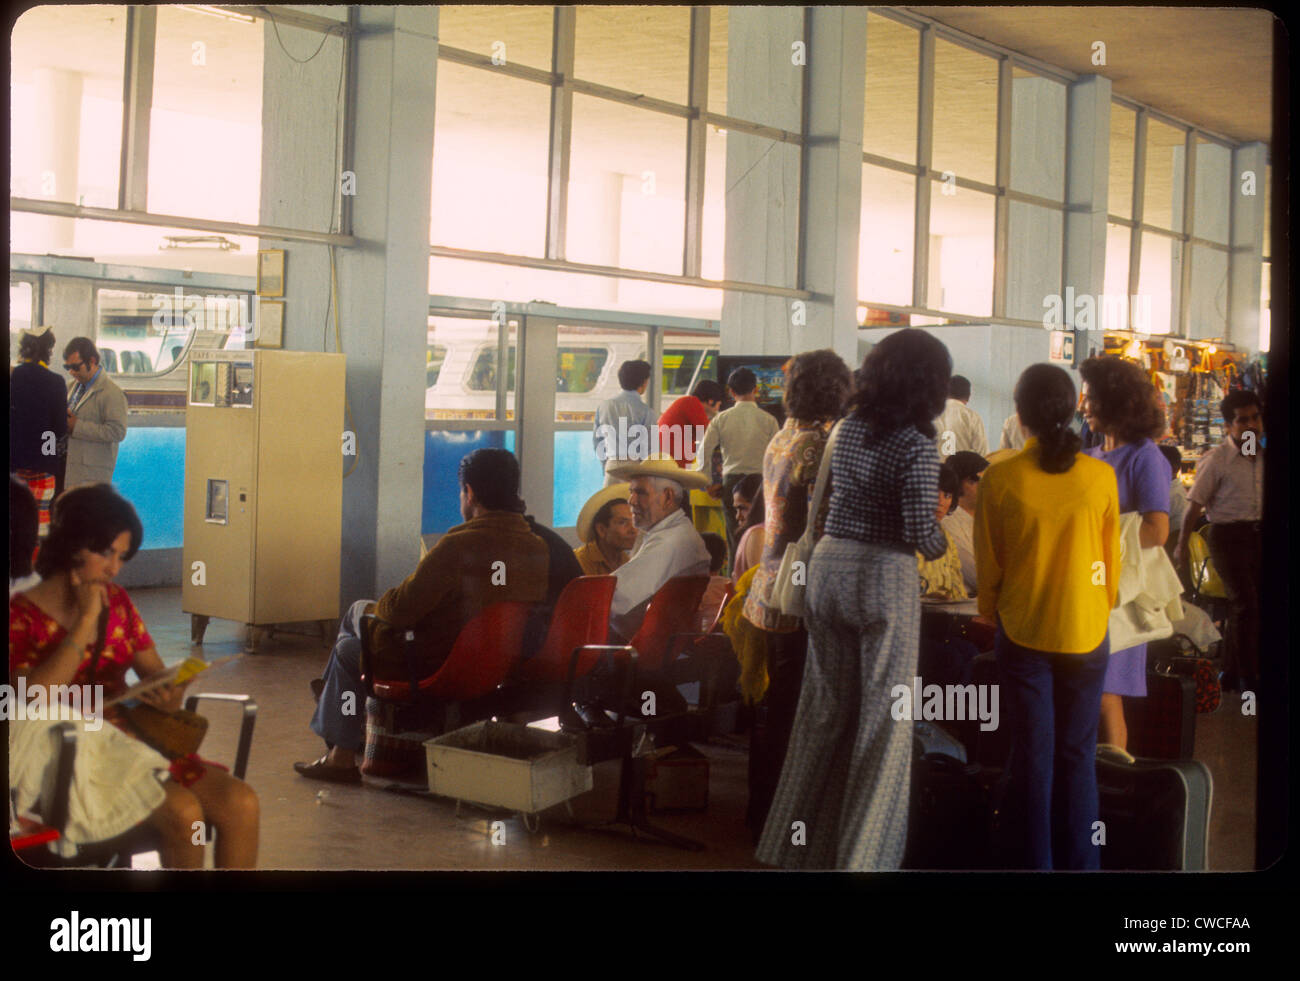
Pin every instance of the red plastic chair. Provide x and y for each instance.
(671, 613)
(484, 652)
(581, 618)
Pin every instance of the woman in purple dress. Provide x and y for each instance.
(1120, 402)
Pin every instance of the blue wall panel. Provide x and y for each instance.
(442, 456)
(150, 473)
(578, 475)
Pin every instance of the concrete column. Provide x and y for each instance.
(1246, 234)
(383, 282)
(764, 218)
(58, 142)
(1087, 170)
(1035, 236)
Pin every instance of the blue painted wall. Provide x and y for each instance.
(150, 473)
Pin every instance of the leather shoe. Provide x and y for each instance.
(320, 770)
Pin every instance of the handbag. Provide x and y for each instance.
(792, 578)
(174, 734)
(1187, 659)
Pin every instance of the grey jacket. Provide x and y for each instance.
(101, 425)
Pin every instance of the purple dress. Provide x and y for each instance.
(1143, 475)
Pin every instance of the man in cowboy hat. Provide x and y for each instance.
(605, 526)
(670, 545)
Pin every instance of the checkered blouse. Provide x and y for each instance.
(885, 490)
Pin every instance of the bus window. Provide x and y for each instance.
(434, 356)
(577, 369)
(678, 370)
(484, 376)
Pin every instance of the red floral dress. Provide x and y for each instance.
(34, 636)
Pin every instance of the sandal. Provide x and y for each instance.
(320, 770)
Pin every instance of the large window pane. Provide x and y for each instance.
(586, 370)
(1163, 187)
(627, 194)
(639, 49)
(1034, 241)
(887, 238)
(1158, 284)
(893, 61)
(718, 24)
(965, 112)
(65, 102)
(713, 239)
(578, 475)
(509, 34)
(490, 144)
(1116, 282)
(1207, 314)
(1123, 127)
(443, 451)
(1037, 135)
(205, 129)
(961, 252)
(1213, 191)
(463, 362)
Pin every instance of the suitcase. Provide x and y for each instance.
(1156, 813)
(1178, 654)
(1162, 726)
(949, 816)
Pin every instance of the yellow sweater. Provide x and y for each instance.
(1047, 551)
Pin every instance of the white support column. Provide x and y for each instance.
(383, 283)
(1246, 235)
(766, 218)
(1087, 181)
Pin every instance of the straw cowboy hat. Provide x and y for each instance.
(586, 524)
(661, 465)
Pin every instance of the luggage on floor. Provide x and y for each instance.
(1162, 725)
(1155, 813)
(949, 815)
(1180, 655)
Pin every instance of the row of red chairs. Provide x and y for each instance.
(488, 652)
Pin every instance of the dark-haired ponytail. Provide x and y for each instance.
(1058, 446)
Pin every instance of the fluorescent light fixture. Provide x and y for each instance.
(210, 11)
(219, 242)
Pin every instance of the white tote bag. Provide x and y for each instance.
(792, 578)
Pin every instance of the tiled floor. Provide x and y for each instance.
(311, 825)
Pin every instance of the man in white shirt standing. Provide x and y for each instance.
(1229, 489)
(670, 546)
(742, 432)
(1013, 437)
(959, 427)
(623, 424)
(960, 525)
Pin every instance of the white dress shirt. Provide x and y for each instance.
(960, 526)
(966, 427)
(671, 548)
(1013, 437)
(743, 432)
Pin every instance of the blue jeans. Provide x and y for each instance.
(340, 716)
(1051, 703)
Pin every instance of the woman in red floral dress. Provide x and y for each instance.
(52, 638)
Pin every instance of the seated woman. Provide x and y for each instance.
(53, 630)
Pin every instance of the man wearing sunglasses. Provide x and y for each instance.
(96, 416)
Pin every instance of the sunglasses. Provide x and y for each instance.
(69, 366)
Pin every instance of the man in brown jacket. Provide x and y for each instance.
(492, 558)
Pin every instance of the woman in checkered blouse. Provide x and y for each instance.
(842, 799)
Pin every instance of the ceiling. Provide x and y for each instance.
(1209, 66)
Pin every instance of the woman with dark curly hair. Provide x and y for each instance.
(1121, 404)
(1047, 567)
(817, 386)
(78, 627)
(848, 767)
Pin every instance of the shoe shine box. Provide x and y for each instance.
(506, 765)
(677, 779)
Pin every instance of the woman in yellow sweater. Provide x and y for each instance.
(1047, 566)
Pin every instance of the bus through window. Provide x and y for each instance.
(143, 333)
(577, 369)
(434, 356)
